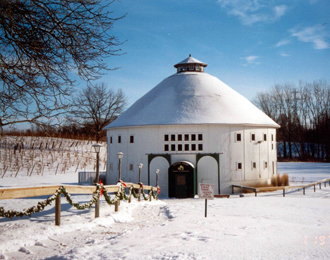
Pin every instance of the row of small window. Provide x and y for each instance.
(183, 147)
(190, 67)
(253, 165)
(183, 137)
(131, 139)
(253, 137)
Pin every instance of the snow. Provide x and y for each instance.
(264, 227)
(192, 98)
(190, 60)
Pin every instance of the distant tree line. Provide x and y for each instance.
(303, 112)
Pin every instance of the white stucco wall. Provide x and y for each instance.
(216, 139)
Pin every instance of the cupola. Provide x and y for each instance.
(190, 64)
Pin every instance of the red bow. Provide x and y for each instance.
(101, 193)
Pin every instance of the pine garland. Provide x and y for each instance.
(120, 195)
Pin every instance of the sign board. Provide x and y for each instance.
(206, 191)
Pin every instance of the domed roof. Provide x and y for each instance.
(192, 98)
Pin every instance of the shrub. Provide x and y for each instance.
(279, 180)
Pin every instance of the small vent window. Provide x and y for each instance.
(131, 139)
(166, 147)
(172, 147)
(239, 166)
(238, 137)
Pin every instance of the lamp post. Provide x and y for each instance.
(140, 168)
(97, 148)
(120, 156)
(157, 172)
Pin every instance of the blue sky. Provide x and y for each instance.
(248, 44)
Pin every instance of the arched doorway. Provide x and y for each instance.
(181, 180)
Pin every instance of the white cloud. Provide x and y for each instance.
(283, 42)
(253, 11)
(280, 10)
(251, 60)
(315, 35)
(284, 54)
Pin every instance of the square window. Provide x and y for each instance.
(119, 139)
(200, 147)
(265, 137)
(239, 166)
(238, 137)
(131, 139)
(184, 68)
(186, 137)
(166, 147)
(253, 137)
(179, 147)
(166, 138)
(172, 147)
(193, 147)
(180, 137)
(191, 67)
(193, 137)
(186, 147)
(198, 67)
(172, 137)
(200, 137)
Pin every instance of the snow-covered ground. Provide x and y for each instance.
(264, 227)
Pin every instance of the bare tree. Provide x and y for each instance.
(96, 106)
(43, 43)
(304, 115)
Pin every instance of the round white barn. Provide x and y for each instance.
(194, 129)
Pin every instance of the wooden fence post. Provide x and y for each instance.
(304, 190)
(320, 186)
(325, 184)
(232, 189)
(97, 208)
(117, 206)
(314, 188)
(58, 210)
(283, 192)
